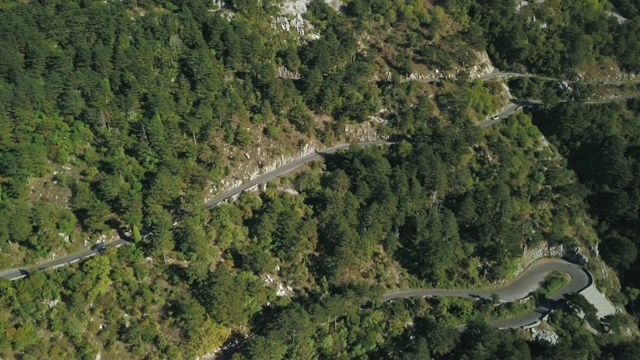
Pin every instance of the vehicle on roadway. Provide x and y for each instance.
(99, 248)
(495, 117)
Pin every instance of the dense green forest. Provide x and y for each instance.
(141, 106)
(120, 115)
(333, 245)
(560, 38)
(550, 37)
(627, 8)
(602, 144)
(142, 103)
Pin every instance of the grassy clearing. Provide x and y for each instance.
(512, 309)
(554, 282)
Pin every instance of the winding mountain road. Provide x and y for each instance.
(519, 289)
(508, 110)
(18, 273)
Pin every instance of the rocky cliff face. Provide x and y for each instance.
(291, 18)
(482, 67)
(260, 163)
(259, 160)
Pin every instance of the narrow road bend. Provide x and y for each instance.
(519, 289)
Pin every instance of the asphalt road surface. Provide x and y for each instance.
(505, 113)
(19, 273)
(613, 99)
(520, 288)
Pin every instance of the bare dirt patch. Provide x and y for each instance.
(53, 188)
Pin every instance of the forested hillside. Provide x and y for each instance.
(296, 270)
(626, 7)
(137, 112)
(551, 37)
(121, 117)
(143, 103)
(601, 143)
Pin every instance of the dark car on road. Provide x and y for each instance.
(101, 247)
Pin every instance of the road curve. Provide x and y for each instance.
(520, 288)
